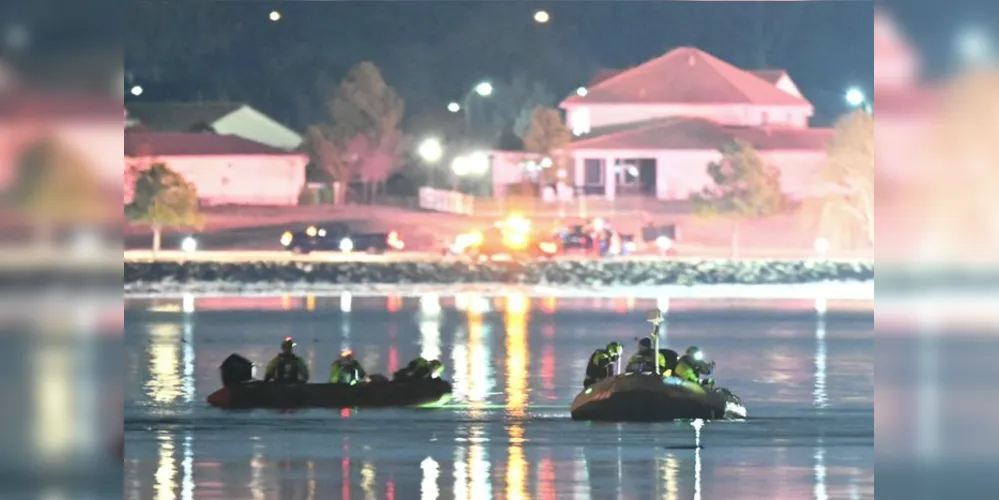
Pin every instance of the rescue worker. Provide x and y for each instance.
(347, 370)
(602, 363)
(287, 367)
(419, 368)
(642, 361)
(692, 367)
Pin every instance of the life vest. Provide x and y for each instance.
(288, 368)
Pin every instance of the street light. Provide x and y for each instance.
(453, 107)
(471, 164)
(581, 92)
(541, 17)
(275, 16)
(484, 89)
(136, 90)
(856, 99)
(973, 46)
(431, 150)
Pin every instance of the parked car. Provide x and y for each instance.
(338, 237)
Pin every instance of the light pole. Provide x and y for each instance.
(469, 165)
(856, 99)
(482, 89)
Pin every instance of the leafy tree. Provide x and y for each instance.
(549, 137)
(366, 112)
(337, 156)
(55, 184)
(848, 178)
(744, 187)
(163, 198)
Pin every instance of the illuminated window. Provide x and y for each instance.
(579, 120)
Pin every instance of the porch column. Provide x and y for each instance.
(610, 178)
(662, 177)
(579, 171)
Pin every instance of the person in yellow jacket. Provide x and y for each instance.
(287, 367)
(347, 370)
(692, 367)
(642, 361)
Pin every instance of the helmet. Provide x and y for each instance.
(346, 353)
(615, 349)
(645, 343)
(695, 353)
(287, 345)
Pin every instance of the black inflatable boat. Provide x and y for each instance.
(240, 391)
(647, 397)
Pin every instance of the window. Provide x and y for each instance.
(593, 172)
(579, 121)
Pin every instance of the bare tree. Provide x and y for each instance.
(847, 204)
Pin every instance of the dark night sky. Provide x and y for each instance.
(433, 51)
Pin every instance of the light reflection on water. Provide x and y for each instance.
(811, 435)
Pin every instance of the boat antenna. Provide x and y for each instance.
(655, 316)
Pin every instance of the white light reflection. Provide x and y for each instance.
(430, 338)
(368, 480)
(187, 303)
(820, 395)
(187, 469)
(257, 464)
(820, 472)
(188, 361)
(460, 489)
(671, 473)
(166, 471)
(516, 355)
(346, 302)
(478, 362)
(430, 305)
(428, 486)
(165, 383)
(54, 425)
(662, 303)
(480, 486)
(580, 476)
(927, 395)
(697, 425)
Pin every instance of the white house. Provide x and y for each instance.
(652, 129)
(227, 118)
(226, 170)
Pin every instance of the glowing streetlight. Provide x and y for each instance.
(136, 90)
(484, 89)
(453, 107)
(974, 46)
(471, 164)
(581, 92)
(541, 17)
(855, 97)
(431, 150)
(275, 16)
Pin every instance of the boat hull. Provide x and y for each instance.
(258, 394)
(638, 397)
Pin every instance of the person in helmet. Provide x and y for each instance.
(602, 363)
(419, 368)
(692, 367)
(644, 359)
(287, 367)
(347, 370)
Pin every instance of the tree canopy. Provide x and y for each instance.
(744, 186)
(163, 198)
(848, 180)
(548, 136)
(57, 184)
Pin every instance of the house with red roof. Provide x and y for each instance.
(653, 129)
(226, 169)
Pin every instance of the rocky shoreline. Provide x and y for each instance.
(158, 277)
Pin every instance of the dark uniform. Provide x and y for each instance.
(419, 368)
(287, 368)
(347, 370)
(602, 363)
(644, 360)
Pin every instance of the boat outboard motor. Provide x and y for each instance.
(236, 370)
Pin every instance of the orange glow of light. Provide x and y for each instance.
(548, 367)
(516, 465)
(393, 303)
(549, 247)
(286, 302)
(620, 305)
(393, 359)
(516, 362)
(477, 375)
(549, 305)
(518, 304)
(546, 478)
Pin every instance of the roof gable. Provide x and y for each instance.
(145, 144)
(181, 116)
(771, 75)
(703, 135)
(686, 75)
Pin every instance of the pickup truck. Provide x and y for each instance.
(338, 237)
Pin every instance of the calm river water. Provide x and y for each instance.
(516, 364)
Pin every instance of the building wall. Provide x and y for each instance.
(583, 118)
(255, 126)
(99, 144)
(236, 180)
